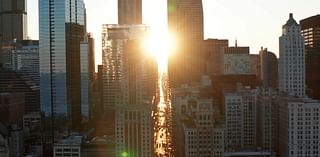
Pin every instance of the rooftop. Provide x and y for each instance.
(291, 21)
(71, 140)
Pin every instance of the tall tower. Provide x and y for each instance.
(292, 60)
(185, 22)
(129, 11)
(310, 28)
(128, 75)
(13, 20)
(268, 70)
(61, 30)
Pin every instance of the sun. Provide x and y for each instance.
(160, 44)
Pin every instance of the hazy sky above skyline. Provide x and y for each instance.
(254, 23)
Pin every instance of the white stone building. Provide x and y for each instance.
(134, 131)
(203, 135)
(299, 127)
(292, 59)
(240, 118)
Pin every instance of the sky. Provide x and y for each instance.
(253, 23)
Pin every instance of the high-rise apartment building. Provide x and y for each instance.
(310, 29)
(292, 60)
(201, 135)
(299, 127)
(129, 12)
(134, 130)
(185, 22)
(13, 20)
(268, 68)
(240, 119)
(62, 26)
(267, 120)
(198, 127)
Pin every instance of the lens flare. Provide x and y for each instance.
(160, 44)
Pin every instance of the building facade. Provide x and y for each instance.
(129, 12)
(292, 59)
(236, 60)
(240, 119)
(299, 127)
(11, 82)
(13, 20)
(134, 131)
(70, 146)
(268, 68)
(85, 79)
(185, 22)
(62, 27)
(214, 51)
(267, 120)
(11, 108)
(310, 29)
(129, 76)
(25, 59)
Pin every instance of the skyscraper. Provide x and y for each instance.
(292, 60)
(25, 59)
(126, 71)
(240, 118)
(13, 19)
(268, 68)
(310, 28)
(61, 31)
(298, 127)
(129, 11)
(185, 21)
(134, 134)
(214, 51)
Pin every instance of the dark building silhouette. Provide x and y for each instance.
(11, 108)
(11, 82)
(222, 82)
(214, 51)
(13, 19)
(61, 31)
(91, 57)
(268, 68)
(185, 22)
(310, 28)
(129, 11)
(99, 107)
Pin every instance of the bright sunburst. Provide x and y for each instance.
(160, 44)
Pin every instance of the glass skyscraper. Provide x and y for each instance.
(13, 20)
(123, 67)
(62, 26)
